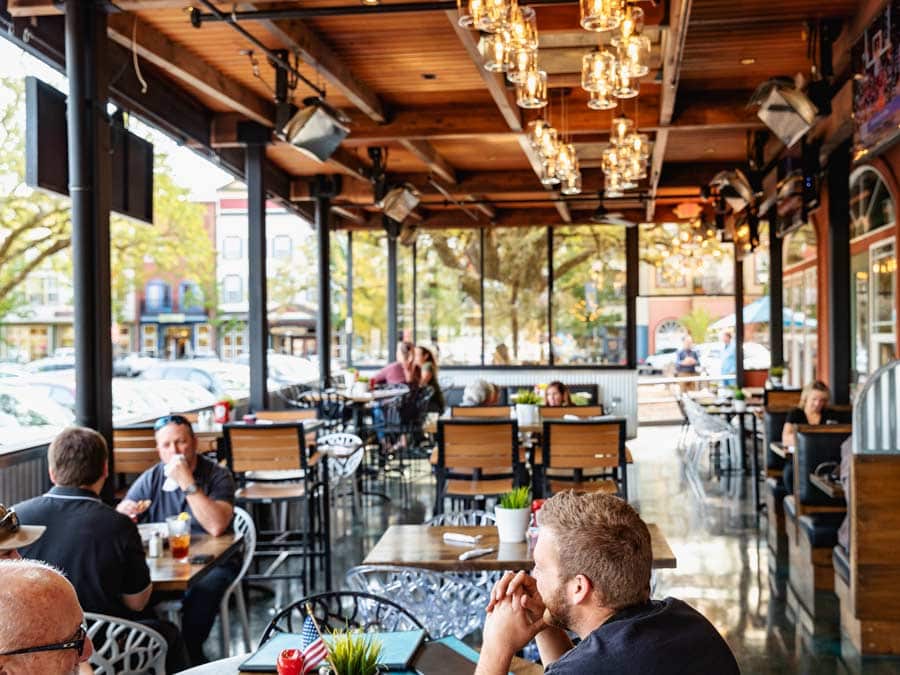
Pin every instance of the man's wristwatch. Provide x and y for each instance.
(191, 489)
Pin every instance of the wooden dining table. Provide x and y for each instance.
(168, 574)
(832, 488)
(423, 546)
(780, 449)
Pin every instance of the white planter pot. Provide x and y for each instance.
(527, 414)
(740, 406)
(360, 388)
(512, 524)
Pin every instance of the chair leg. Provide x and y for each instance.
(242, 617)
(225, 626)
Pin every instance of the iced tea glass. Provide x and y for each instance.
(179, 536)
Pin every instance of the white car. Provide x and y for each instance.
(286, 369)
(26, 416)
(659, 362)
(756, 357)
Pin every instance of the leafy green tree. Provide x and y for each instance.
(35, 227)
(697, 323)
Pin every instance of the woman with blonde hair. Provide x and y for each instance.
(813, 409)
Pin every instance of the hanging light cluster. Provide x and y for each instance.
(676, 248)
(508, 44)
(559, 162)
(624, 161)
(612, 74)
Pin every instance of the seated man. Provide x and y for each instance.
(204, 490)
(99, 550)
(41, 624)
(591, 576)
(13, 534)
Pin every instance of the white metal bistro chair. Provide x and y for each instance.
(123, 647)
(346, 452)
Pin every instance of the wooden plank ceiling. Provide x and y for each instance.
(410, 83)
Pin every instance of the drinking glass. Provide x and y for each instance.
(179, 536)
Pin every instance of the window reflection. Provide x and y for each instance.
(369, 314)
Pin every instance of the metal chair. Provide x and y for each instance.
(460, 518)
(346, 452)
(581, 449)
(339, 610)
(123, 647)
(244, 526)
(447, 604)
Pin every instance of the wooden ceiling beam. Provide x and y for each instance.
(299, 38)
(174, 60)
(424, 151)
(673, 53)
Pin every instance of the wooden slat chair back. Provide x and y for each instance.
(476, 458)
(582, 448)
(558, 412)
(781, 399)
(134, 449)
(497, 412)
(292, 415)
(266, 447)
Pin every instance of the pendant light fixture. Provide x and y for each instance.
(601, 15)
(532, 91)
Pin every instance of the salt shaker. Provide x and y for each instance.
(155, 548)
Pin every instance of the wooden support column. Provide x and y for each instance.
(739, 320)
(776, 295)
(838, 271)
(632, 281)
(324, 188)
(90, 188)
(392, 333)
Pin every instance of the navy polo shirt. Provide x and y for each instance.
(98, 548)
(215, 481)
(663, 637)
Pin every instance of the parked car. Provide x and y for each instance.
(51, 363)
(756, 357)
(133, 364)
(222, 380)
(659, 362)
(27, 416)
(286, 369)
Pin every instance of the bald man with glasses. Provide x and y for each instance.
(42, 628)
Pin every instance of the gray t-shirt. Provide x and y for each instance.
(662, 637)
(215, 481)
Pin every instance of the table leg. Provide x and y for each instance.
(754, 468)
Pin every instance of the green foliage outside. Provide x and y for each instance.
(697, 324)
(35, 227)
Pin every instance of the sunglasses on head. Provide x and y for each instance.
(9, 521)
(171, 419)
(76, 642)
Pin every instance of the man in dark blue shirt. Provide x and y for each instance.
(591, 576)
(99, 550)
(205, 491)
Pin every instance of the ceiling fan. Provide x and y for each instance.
(603, 216)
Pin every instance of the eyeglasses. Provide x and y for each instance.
(171, 419)
(76, 642)
(9, 521)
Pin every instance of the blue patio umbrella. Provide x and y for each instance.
(758, 312)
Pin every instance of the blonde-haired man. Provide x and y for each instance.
(591, 576)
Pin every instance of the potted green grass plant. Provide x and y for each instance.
(512, 514)
(527, 407)
(353, 652)
(776, 376)
(740, 401)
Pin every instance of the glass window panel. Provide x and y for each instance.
(448, 302)
(674, 262)
(515, 296)
(232, 248)
(281, 246)
(370, 298)
(800, 245)
(338, 295)
(589, 295)
(871, 206)
(405, 291)
(859, 312)
(884, 273)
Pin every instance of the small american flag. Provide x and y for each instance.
(314, 649)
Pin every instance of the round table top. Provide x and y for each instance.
(227, 666)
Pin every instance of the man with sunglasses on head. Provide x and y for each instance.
(201, 488)
(14, 535)
(99, 550)
(42, 628)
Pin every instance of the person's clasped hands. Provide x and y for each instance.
(515, 613)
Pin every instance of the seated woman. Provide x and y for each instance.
(557, 395)
(429, 378)
(813, 410)
(401, 371)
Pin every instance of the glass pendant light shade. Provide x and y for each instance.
(601, 15)
(495, 15)
(622, 127)
(493, 47)
(636, 53)
(522, 27)
(613, 187)
(627, 86)
(549, 146)
(566, 160)
(640, 145)
(532, 91)
(632, 24)
(519, 61)
(539, 132)
(464, 12)
(602, 100)
(548, 171)
(598, 70)
(571, 184)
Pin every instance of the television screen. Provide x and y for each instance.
(876, 85)
(47, 154)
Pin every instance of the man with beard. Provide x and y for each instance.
(41, 623)
(591, 576)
